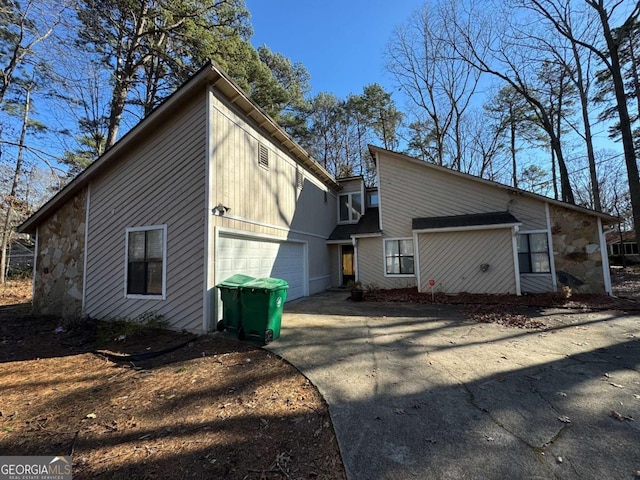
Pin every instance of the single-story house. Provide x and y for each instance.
(208, 186)
(623, 244)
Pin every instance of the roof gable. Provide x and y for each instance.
(210, 74)
(375, 151)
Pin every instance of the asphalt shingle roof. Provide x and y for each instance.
(368, 223)
(468, 220)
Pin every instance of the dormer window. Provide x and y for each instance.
(350, 207)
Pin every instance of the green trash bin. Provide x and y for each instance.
(231, 306)
(262, 304)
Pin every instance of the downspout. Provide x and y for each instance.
(516, 262)
(606, 272)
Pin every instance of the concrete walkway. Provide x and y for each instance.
(420, 392)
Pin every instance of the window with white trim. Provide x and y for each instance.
(399, 258)
(146, 261)
(349, 207)
(533, 253)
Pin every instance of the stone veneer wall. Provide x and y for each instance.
(576, 247)
(59, 276)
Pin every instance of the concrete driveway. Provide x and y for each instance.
(420, 392)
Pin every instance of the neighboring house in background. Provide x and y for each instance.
(429, 223)
(623, 244)
(208, 186)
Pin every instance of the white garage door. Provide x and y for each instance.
(262, 258)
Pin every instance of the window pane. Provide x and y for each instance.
(407, 264)
(523, 244)
(136, 246)
(391, 248)
(373, 199)
(344, 208)
(393, 265)
(154, 278)
(356, 206)
(135, 278)
(525, 264)
(540, 263)
(538, 242)
(406, 247)
(154, 244)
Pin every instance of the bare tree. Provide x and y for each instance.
(437, 83)
(490, 47)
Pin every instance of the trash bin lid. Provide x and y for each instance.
(235, 281)
(267, 284)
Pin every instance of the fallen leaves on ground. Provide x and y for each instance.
(215, 408)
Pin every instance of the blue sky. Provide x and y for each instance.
(340, 42)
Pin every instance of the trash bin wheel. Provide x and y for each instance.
(268, 336)
(220, 326)
(241, 333)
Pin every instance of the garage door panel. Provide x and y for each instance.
(261, 258)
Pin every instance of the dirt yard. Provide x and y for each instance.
(214, 408)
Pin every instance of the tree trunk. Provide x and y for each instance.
(512, 124)
(6, 231)
(623, 113)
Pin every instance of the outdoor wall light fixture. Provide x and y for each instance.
(484, 267)
(220, 210)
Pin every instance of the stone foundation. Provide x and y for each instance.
(59, 275)
(576, 248)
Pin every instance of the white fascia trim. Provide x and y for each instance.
(164, 262)
(468, 228)
(35, 265)
(606, 272)
(516, 261)
(86, 252)
(268, 225)
(552, 256)
(366, 235)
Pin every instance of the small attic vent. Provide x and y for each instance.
(299, 178)
(263, 156)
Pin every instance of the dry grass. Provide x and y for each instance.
(16, 291)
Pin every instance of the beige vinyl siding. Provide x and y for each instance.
(536, 283)
(355, 185)
(371, 266)
(268, 196)
(410, 189)
(266, 201)
(160, 182)
(461, 272)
